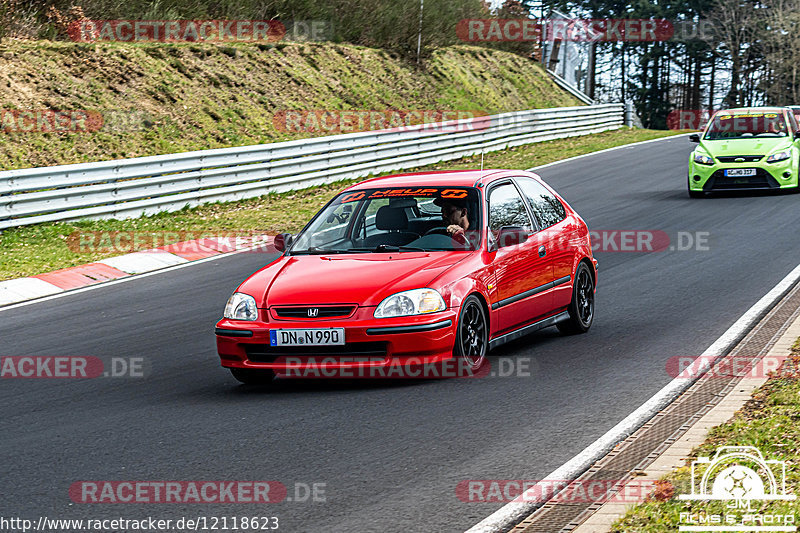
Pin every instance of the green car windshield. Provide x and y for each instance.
(726, 126)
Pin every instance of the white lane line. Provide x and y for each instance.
(567, 160)
(514, 512)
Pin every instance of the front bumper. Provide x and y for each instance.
(369, 342)
(707, 178)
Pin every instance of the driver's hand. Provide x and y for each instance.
(457, 233)
(452, 229)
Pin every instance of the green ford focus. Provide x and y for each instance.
(747, 148)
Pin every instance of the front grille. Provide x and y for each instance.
(264, 353)
(314, 311)
(719, 182)
(744, 158)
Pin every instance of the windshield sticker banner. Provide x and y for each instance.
(400, 192)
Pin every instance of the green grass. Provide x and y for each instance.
(167, 98)
(42, 248)
(770, 421)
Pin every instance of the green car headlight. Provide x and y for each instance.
(413, 302)
(241, 306)
(780, 156)
(703, 159)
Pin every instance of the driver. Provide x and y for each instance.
(455, 215)
(775, 127)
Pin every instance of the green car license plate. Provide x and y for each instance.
(740, 172)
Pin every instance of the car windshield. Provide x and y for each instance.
(746, 126)
(395, 219)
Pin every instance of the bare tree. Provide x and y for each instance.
(736, 36)
(781, 44)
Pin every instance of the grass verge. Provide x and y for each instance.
(160, 98)
(770, 421)
(27, 251)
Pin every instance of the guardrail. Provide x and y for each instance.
(133, 187)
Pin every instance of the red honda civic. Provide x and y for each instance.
(409, 270)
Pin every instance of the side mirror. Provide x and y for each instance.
(282, 241)
(511, 236)
(694, 137)
(796, 135)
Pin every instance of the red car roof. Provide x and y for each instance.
(444, 178)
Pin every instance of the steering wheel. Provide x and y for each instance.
(437, 231)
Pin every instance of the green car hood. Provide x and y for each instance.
(749, 146)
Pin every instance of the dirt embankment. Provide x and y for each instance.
(146, 99)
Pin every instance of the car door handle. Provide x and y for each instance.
(542, 251)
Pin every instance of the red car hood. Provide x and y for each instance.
(363, 279)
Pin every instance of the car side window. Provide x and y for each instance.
(506, 208)
(546, 207)
(793, 122)
(335, 226)
(372, 209)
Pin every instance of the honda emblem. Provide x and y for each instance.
(313, 311)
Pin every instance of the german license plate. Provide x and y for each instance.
(307, 337)
(740, 172)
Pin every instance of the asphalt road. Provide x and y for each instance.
(390, 454)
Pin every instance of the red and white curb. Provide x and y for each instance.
(113, 268)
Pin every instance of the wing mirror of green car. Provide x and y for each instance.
(694, 137)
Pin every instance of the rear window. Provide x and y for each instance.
(546, 207)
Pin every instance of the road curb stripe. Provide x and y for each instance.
(16, 290)
(80, 276)
(21, 291)
(145, 261)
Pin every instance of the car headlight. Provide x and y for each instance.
(413, 302)
(703, 159)
(241, 306)
(780, 156)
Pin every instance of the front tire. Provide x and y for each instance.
(581, 308)
(472, 334)
(253, 376)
